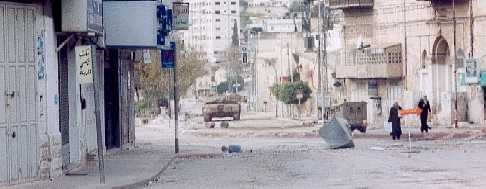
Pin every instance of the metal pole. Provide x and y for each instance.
(169, 109)
(276, 101)
(99, 135)
(405, 44)
(319, 69)
(455, 62)
(176, 104)
(471, 23)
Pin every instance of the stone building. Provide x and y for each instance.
(47, 115)
(385, 60)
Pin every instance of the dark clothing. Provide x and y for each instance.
(358, 127)
(395, 120)
(425, 107)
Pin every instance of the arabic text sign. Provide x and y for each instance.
(84, 62)
(180, 16)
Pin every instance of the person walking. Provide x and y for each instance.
(394, 118)
(425, 107)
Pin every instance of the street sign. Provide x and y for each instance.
(180, 16)
(167, 58)
(146, 57)
(84, 62)
(164, 17)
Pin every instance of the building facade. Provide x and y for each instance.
(212, 23)
(47, 115)
(386, 61)
(30, 142)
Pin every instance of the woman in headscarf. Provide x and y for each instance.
(395, 121)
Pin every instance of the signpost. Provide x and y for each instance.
(175, 19)
(86, 62)
(180, 16)
(300, 96)
(146, 57)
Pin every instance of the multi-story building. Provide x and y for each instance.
(47, 115)
(211, 30)
(269, 3)
(398, 51)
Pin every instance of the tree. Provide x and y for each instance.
(287, 93)
(153, 83)
(232, 56)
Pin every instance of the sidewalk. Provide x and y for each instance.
(123, 169)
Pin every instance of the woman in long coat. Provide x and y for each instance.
(395, 120)
(425, 107)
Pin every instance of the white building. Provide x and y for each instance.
(279, 25)
(269, 3)
(211, 29)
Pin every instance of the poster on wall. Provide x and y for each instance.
(461, 80)
(84, 62)
(472, 70)
(373, 88)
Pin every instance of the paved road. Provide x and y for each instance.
(270, 161)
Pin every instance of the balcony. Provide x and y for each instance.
(373, 63)
(351, 4)
(444, 2)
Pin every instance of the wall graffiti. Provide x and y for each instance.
(41, 64)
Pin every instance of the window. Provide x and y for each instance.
(218, 37)
(217, 12)
(217, 3)
(218, 20)
(233, 12)
(218, 28)
(233, 2)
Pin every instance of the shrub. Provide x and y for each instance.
(287, 93)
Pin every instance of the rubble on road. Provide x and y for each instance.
(336, 133)
(231, 149)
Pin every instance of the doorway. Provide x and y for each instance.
(442, 82)
(112, 100)
(19, 150)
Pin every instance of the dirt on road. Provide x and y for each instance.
(278, 154)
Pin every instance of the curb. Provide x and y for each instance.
(156, 177)
(146, 182)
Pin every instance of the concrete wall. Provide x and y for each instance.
(48, 96)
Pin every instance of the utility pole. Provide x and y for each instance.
(325, 67)
(254, 72)
(319, 69)
(454, 21)
(471, 25)
(99, 135)
(405, 44)
(176, 104)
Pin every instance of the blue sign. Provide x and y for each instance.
(164, 16)
(167, 58)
